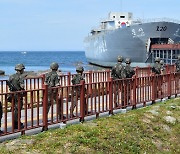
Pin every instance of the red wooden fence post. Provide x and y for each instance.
(108, 74)
(43, 78)
(134, 92)
(169, 85)
(136, 71)
(69, 79)
(45, 102)
(110, 96)
(154, 90)
(90, 81)
(82, 101)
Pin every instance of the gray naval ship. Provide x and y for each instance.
(119, 34)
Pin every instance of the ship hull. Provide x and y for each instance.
(103, 48)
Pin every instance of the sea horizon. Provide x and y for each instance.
(37, 61)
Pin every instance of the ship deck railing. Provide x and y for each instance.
(140, 21)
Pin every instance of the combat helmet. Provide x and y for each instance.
(128, 61)
(19, 67)
(79, 69)
(157, 59)
(54, 66)
(119, 58)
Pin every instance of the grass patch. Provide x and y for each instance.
(139, 131)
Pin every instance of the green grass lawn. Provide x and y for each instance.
(154, 129)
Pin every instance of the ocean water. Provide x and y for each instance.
(38, 61)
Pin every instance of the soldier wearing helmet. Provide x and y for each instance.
(76, 91)
(79, 76)
(157, 66)
(178, 64)
(128, 69)
(16, 83)
(158, 69)
(118, 71)
(129, 73)
(52, 80)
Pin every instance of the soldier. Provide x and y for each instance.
(52, 80)
(157, 69)
(178, 64)
(1, 113)
(129, 73)
(118, 72)
(128, 69)
(76, 93)
(157, 66)
(16, 83)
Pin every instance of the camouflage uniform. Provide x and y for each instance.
(129, 74)
(76, 93)
(118, 72)
(52, 80)
(128, 69)
(178, 64)
(157, 66)
(157, 69)
(16, 83)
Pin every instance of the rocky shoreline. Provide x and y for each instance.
(2, 72)
(29, 74)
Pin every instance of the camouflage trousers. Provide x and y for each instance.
(118, 91)
(54, 98)
(10, 99)
(158, 91)
(74, 100)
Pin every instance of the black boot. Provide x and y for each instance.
(1, 132)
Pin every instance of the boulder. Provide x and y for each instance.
(2, 72)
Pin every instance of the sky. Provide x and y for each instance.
(62, 25)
